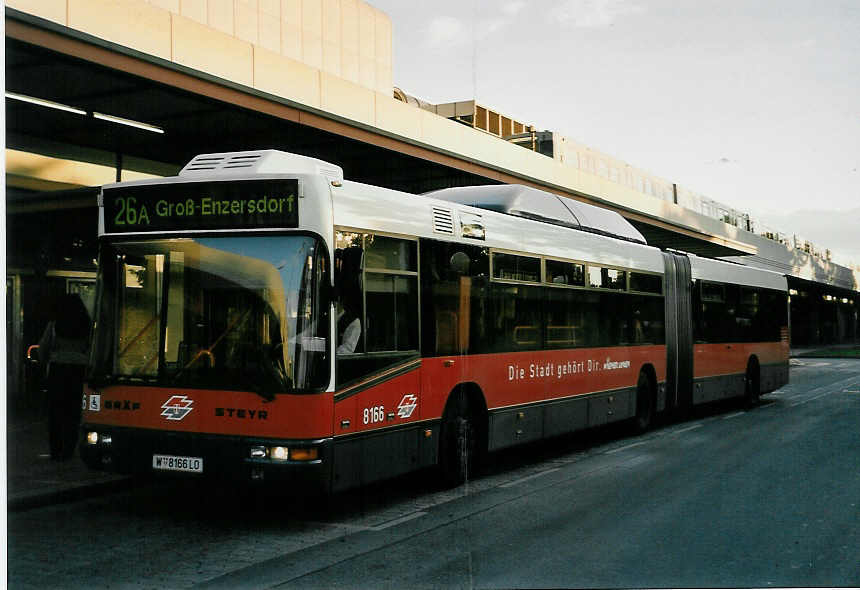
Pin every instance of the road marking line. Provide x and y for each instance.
(687, 429)
(342, 525)
(364, 527)
(625, 447)
(397, 521)
(735, 415)
(847, 382)
(812, 398)
(527, 478)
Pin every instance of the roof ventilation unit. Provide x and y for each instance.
(538, 205)
(259, 162)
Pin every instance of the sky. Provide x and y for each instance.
(755, 104)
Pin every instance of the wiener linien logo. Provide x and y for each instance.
(177, 407)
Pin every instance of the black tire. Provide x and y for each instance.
(457, 451)
(644, 404)
(752, 385)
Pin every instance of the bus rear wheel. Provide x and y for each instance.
(457, 450)
(752, 385)
(644, 404)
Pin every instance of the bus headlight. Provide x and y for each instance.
(279, 453)
(92, 438)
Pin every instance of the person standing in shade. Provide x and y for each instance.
(63, 353)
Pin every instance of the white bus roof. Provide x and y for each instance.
(362, 206)
(512, 217)
(708, 269)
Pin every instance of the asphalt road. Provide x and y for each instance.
(729, 497)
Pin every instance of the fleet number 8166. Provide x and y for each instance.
(374, 414)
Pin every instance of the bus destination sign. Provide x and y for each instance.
(232, 204)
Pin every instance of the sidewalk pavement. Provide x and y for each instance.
(801, 352)
(33, 479)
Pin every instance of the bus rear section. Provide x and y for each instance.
(740, 331)
(727, 331)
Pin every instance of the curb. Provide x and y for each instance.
(26, 501)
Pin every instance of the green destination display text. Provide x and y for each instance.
(244, 204)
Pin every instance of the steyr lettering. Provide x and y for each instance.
(242, 413)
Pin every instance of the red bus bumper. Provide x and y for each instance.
(136, 451)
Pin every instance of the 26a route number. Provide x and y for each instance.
(374, 414)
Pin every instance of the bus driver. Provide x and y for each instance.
(348, 263)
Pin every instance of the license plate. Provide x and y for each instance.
(174, 463)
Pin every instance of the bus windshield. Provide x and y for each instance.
(243, 313)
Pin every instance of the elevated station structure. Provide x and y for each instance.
(105, 90)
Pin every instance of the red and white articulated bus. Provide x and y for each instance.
(260, 318)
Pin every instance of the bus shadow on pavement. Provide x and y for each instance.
(272, 506)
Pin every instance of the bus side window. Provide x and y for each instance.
(376, 281)
(391, 294)
(452, 282)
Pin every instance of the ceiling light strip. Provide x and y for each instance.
(64, 107)
(44, 103)
(128, 122)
